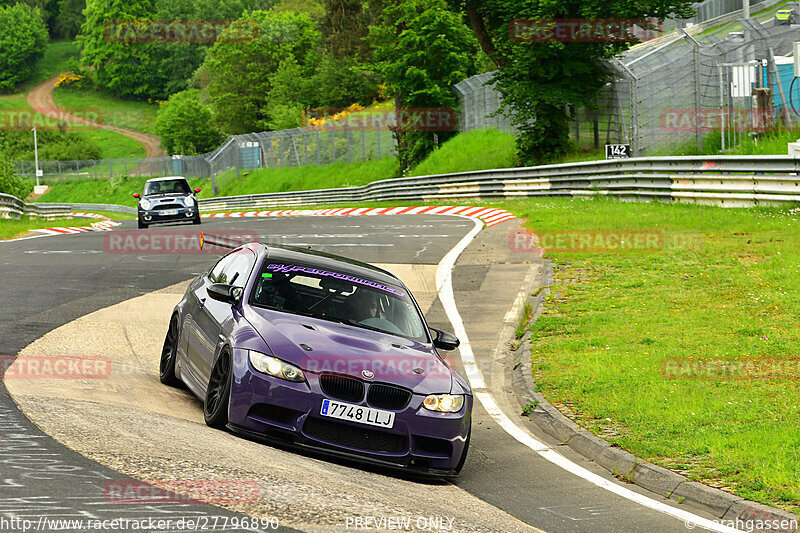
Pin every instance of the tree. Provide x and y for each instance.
(539, 79)
(120, 64)
(70, 18)
(238, 76)
(186, 126)
(23, 39)
(422, 49)
(10, 183)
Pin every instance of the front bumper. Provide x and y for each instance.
(157, 216)
(277, 411)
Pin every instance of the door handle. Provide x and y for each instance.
(202, 303)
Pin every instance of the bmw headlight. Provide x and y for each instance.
(145, 204)
(275, 367)
(444, 403)
(188, 201)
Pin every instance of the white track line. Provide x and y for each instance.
(444, 286)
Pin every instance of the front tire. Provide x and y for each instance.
(218, 393)
(196, 220)
(169, 354)
(142, 225)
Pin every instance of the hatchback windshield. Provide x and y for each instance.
(338, 297)
(167, 187)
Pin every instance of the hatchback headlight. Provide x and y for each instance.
(444, 403)
(188, 201)
(275, 367)
(145, 204)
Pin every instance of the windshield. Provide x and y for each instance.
(338, 297)
(167, 187)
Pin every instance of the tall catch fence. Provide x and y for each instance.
(356, 139)
(681, 95)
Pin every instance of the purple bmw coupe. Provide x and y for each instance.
(323, 353)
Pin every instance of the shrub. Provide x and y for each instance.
(24, 37)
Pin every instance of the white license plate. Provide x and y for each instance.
(357, 413)
(168, 212)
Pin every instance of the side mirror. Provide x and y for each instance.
(197, 189)
(137, 195)
(445, 340)
(222, 292)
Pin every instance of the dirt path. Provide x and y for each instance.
(40, 98)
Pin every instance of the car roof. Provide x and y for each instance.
(336, 263)
(167, 178)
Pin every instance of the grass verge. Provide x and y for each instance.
(720, 286)
(305, 177)
(10, 228)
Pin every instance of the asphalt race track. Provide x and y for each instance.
(50, 283)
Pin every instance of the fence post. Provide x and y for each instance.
(349, 156)
(696, 63)
(125, 166)
(95, 168)
(60, 173)
(363, 142)
(333, 143)
(379, 142)
(305, 146)
(317, 134)
(110, 168)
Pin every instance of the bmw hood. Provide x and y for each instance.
(320, 346)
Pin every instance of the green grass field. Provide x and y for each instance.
(108, 191)
(722, 286)
(130, 114)
(55, 61)
(473, 150)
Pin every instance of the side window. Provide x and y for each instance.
(216, 272)
(237, 270)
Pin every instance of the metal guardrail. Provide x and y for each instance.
(13, 207)
(94, 207)
(731, 181)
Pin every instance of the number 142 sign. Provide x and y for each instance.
(618, 151)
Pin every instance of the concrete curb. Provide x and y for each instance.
(622, 464)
